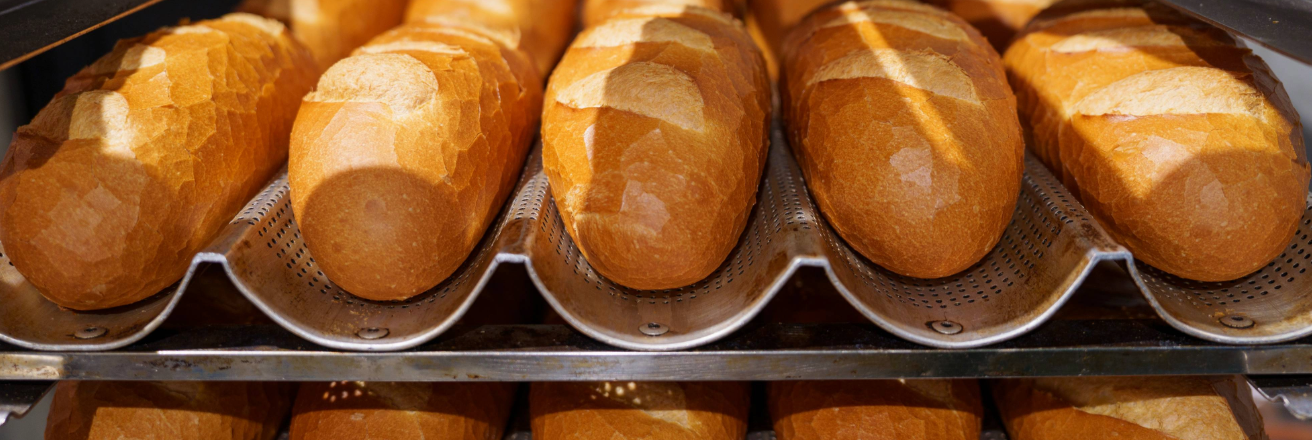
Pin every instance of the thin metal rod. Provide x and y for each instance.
(760, 352)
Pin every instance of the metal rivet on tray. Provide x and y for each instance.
(946, 327)
(91, 332)
(372, 333)
(653, 329)
(1237, 321)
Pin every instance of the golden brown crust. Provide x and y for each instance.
(1181, 143)
(540, 28)
(401, 411)
(167, 410)
(331, 28)
(928, 188)
(597, 11)
(776, 17)
(654, 140)
(402, 157)
(998, 20)
(876, 410)
(1131, 408)
(143, 157)
(639, 410)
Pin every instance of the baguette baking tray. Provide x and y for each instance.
(1047, 251)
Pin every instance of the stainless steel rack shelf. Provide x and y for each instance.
(29, 27)
(758, 353)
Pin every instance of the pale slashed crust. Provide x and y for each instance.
(882, 409)
(654, 140)
(405, 153)
(639, 410)
(146, 154)
(902, 121)
(401, 411)
(1181, 143)
(167, 410)
(539, 28)
(1131, 408)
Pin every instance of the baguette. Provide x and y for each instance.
(146, 154)
(639, 410)
(167, 410)
(776, 17)
(928, 191)
(402, 157)
(597, 11)
(401, 411)
(880, 409)
(998, 20)
(1128, 408)
(1180, 142)
(331, 28)
(540, 28)
(654, 135)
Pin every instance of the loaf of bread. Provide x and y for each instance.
(143, 157)
(998, 20)
(639, 410)
(900, 116)
(401, 411)
(776, 17)
(880, 409)
(540, 28)
(331, 28)
(1179, 141)
(167, 410)
(403, 155)
(654, 134)
(1128, 408)
(597, 11)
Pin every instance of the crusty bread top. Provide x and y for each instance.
(541, 28)
(639, 410)
(600, 11)
(105, 410)
(145, 154)
(1182, 407)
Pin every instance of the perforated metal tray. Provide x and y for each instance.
(29, 320)
(1047, 251)
(1272, 305)
(1049, 248)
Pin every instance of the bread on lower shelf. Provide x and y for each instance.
(1178, 140)
(902, 121)
(146, 155)
(925, 409)
(401, 411)
(639, 410)
(1129, 408)
(167, 410)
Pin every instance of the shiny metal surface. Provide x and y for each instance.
(29, 320)
(1272, 305)
(759, 352)
(17, 398)
(1283, 25)
(1045, 254)
(1294, 392)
